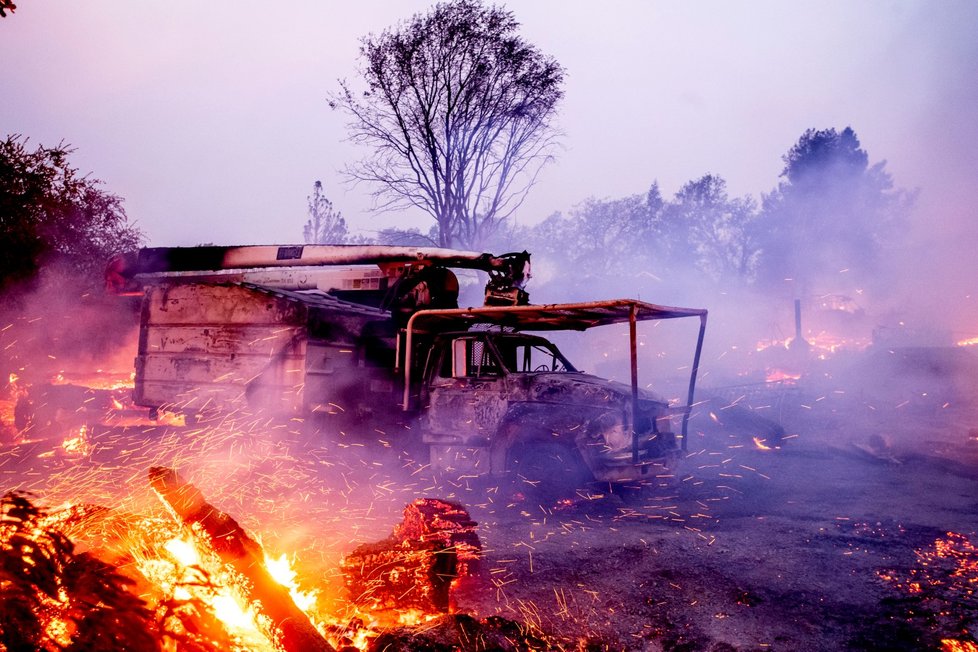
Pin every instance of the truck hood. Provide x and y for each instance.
(576, 388)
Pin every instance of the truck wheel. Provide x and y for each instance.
(546, 472)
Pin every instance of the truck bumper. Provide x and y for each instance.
(658, 458)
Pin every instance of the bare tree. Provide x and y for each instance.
(325, 225)
(458, 112)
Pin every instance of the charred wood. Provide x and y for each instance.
(415, 568)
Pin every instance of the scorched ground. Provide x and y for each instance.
(857, 533)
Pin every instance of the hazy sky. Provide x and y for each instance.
(211, 120)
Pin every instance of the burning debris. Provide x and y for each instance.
(429, 552)
(201, 583)
(53, 596)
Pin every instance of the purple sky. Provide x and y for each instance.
(211, 120)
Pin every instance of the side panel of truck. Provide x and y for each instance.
(204, 346)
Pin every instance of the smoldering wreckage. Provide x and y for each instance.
(610, 517)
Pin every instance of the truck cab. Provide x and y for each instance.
(495, 399)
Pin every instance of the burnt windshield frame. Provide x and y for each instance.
(506, 345)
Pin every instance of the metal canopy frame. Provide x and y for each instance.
(561, 317)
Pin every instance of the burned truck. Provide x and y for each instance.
(361, 335)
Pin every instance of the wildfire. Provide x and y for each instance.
(281, 570)
(822, 344)
(953, 645)
(971, 341)
(205, 585)
(190, 586)
(100, 380)
(77, 442)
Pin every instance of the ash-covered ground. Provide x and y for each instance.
(856, 533)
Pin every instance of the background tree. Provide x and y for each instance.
(51, 217)
(57, 232)
(599, 235)
(712, 231)
(833, 211)
(458, 113)
(701, 236)
(325, 225)
(599, 240)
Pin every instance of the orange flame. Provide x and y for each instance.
(952, 645)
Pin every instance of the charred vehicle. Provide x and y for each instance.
(360, 334)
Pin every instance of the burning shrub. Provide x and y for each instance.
(55, 598)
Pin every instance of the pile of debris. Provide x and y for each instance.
(199, 582)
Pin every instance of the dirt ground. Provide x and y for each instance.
(856, 534)
(840, 540)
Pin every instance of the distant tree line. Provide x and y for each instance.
(832, 212)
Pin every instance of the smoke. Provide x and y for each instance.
(57, 326)
(880, 272)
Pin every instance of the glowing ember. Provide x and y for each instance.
(945, 580)
(822, 344)
(781, 376)
(415, 569)
(77, 442)
(763, 345)
(103, 380)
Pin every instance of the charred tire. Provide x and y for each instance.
(546, 472)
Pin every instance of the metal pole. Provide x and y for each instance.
(634, 351)
(408, 349)
(692, 378)
(798, 319)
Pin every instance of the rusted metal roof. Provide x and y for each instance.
(550, 317)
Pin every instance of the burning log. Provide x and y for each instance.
(416, 567)
(291, 628)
